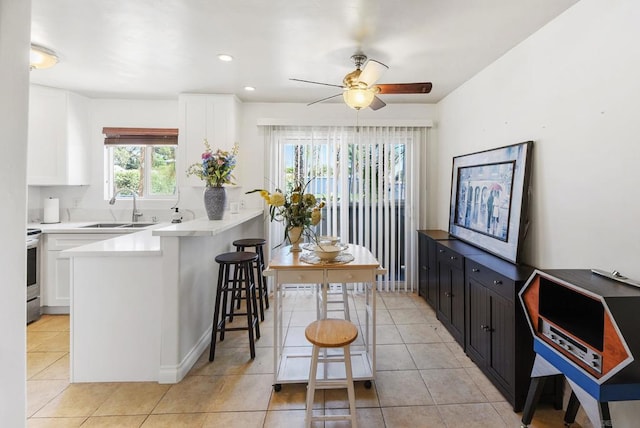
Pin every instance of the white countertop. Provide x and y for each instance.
(147, 241)
(206, 227)
(81, 227)
(140, 243)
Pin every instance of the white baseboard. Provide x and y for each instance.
(175, 373)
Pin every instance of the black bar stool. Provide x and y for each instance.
(263, 293)
(242, 279)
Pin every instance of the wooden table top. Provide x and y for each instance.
(284, 259)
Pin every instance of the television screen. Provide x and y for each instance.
(489, 202)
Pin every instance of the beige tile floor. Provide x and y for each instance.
(423, 379)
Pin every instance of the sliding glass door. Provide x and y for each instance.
(368, 178)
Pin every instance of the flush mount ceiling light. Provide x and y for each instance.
(41, 57)
(249, 88)
(225, 57)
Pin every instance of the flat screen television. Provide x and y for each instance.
(489, 199)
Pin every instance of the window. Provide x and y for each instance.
(140, 161)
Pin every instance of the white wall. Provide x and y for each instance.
(15, 26)
(574, 88)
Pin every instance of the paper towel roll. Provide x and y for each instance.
(51, 210)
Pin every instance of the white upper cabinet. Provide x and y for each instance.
(58, 138)
(214, 117)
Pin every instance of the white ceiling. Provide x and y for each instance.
(160, 48)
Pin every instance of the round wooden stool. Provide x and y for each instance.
(331, 333)
(242, 280)
(261, 281)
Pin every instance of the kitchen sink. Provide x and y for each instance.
(117, 225)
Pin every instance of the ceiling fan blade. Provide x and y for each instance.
(317, 83)
(377, 104)
(372, 71)
(324, 99)
(405, 88)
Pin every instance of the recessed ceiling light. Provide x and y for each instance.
(249, 88)
(225, 57)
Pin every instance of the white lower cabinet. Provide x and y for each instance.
(54, 276)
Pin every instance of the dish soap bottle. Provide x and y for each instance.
(176, 217)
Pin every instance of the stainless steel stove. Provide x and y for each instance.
(33, 275)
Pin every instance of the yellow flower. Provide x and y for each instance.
(316, 216)
(309, 199)
(276, 199)
(265, 195)
(295, 198)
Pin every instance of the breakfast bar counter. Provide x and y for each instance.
(142, 304)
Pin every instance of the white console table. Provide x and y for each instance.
(285, 267)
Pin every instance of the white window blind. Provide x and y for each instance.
(369, 177)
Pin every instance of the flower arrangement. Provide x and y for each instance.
(216, 167)
(295, 208)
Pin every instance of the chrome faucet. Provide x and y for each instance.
(135, 214)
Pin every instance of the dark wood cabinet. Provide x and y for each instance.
(450, 309)
(497, 336)
(428, 272)
(475, 294)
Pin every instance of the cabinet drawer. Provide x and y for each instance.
(445, 255)
(337, 276)
(300, 277)
(490, 279)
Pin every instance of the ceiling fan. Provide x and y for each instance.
(359, 89)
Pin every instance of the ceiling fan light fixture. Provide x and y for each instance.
(358, 98)
(41, 57)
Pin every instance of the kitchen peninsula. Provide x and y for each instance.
(142, 304)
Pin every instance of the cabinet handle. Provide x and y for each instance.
(442, 251)
(453, 257)
(486, 328)
(475, 270)
(497, 282)
(424, 268)
(447, 294)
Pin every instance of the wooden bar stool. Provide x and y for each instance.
(242, 280)
(261, 283)
(331, 333)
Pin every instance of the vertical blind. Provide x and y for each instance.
(369, 178)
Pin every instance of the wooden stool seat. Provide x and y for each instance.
(331, 333)
(249, 242)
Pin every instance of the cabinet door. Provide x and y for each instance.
(444, 292)
(501, 358)
(47, 133)
(478, 327)
(201, 116)
(457, 304)
(58, 138)
(432, 274)
(423, 267)
(55, 288)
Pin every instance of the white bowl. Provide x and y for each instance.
(327, 252)
(333, 240)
